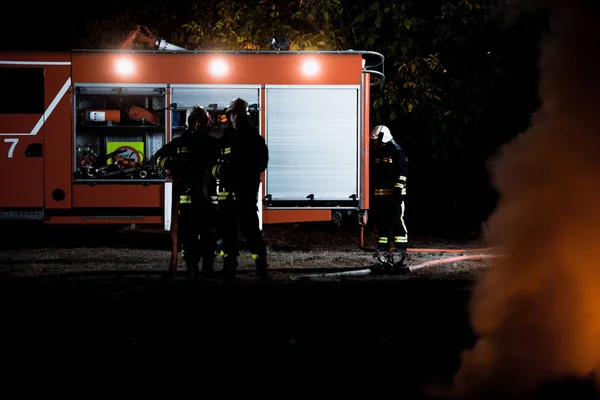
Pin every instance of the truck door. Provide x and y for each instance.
(314, 146)
(21, 136)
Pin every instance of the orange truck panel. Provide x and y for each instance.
(118, 195)
(286, 216)
(24, 155)
(216, 68)
(24, 183)
(58, 140)
(23, 180)
(82, 219)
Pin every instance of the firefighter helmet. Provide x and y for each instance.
(383, 132)
(240, 106)
(197, 111)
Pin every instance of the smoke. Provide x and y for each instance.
(536, 313)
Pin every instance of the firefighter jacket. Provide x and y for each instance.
(389, 171)
(187, 157)
(243, 158)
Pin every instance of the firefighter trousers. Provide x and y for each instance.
(197, 231)
(387, 213)
(239, 217)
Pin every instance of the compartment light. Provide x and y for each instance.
(310, 67)
(218, 68)
(124, 66)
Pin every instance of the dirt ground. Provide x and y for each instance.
(100, 292)
(296, 251)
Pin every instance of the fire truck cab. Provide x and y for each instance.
(78, 129)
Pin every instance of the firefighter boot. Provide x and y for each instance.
(191, 264)
(381, 258)
(208, 264)
(229, 268)
(192, 270)
(389, 261)
(379, 255)
(401, 267)
(262, 267)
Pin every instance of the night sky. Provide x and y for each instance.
(45, 26)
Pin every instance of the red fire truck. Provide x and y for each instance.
(78, 129)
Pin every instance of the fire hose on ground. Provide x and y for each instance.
(367, 271)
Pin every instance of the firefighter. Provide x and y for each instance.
(389, 170)
(243, 158)
(186, 157)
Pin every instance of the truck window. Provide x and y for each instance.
(24, 90)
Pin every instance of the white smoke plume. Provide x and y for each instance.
(536, 313)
